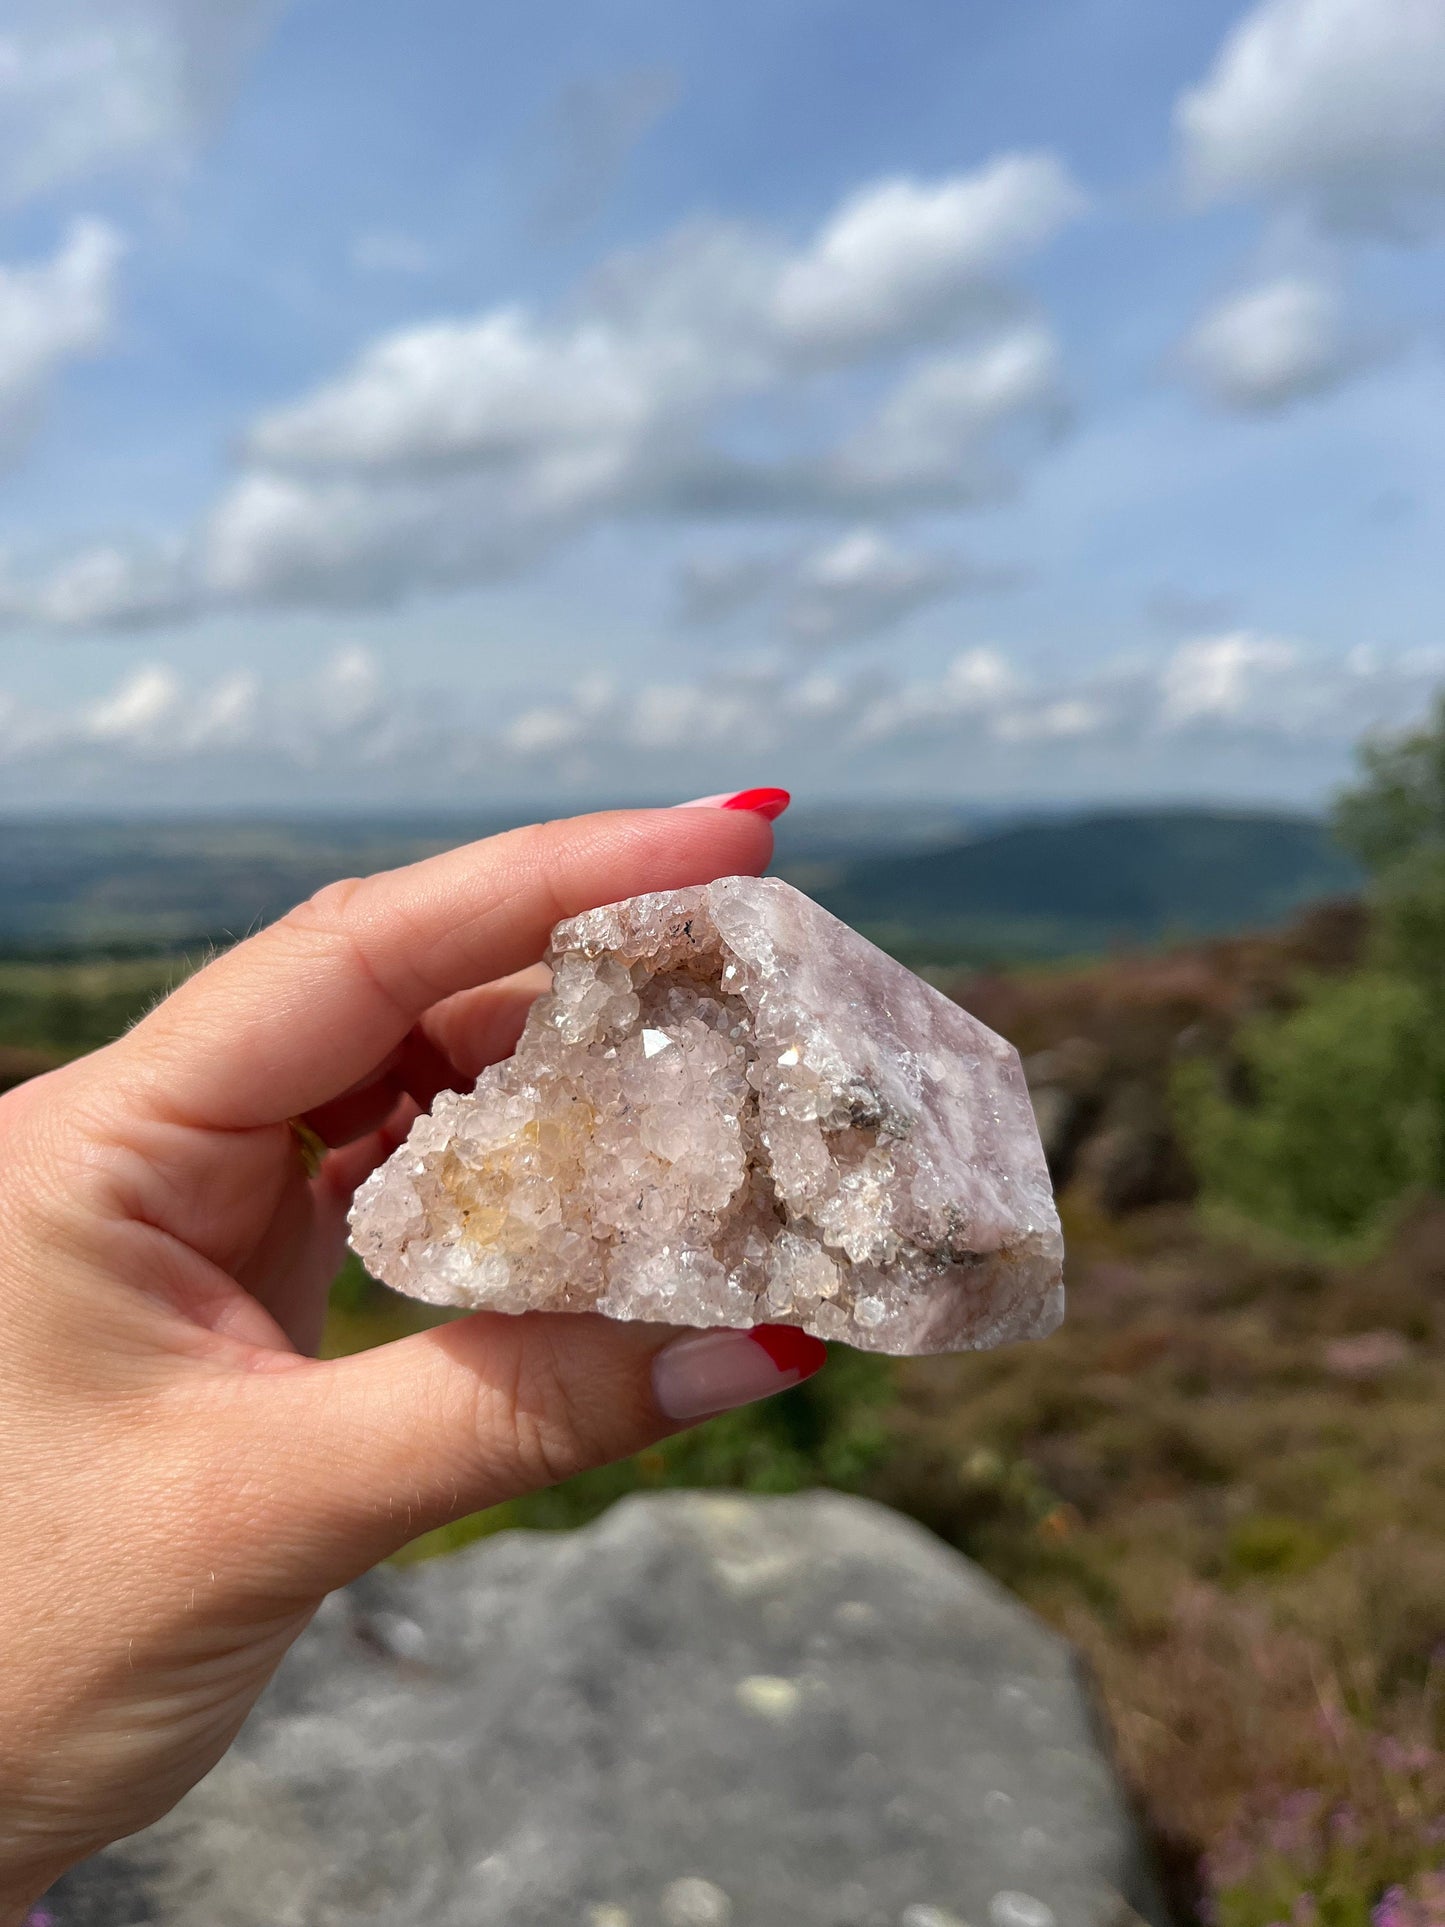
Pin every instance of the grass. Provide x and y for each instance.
(65, 1009)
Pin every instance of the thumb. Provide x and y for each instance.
(392, 1442)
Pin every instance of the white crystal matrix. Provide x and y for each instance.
(731, 1109)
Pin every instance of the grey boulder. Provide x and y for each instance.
(702, 1711)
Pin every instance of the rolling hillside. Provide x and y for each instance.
(1069, 885)
(936, 884)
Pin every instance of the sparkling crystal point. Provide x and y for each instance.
(732, 1109)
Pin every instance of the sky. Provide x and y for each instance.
(1000, 401)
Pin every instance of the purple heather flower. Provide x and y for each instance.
(1405, 1757)
(1393, 1909)
(1293, 1826)
(1228, 1862)
(1346, 1827)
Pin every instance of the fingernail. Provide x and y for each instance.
(768, 803)
(715, 1371)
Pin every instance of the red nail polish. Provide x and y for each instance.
(768, 803)
(707, 1372)
(791, 1350)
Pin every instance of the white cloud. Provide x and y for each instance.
(861, 585)
(139, 712)
(1337, 106)
(286, 541)
(108, 587)
(89, 86)
(153, 715)
(851, 587)
(459, 452)
(1270, 345)
(975, 691)
(1279, 715)
(663, 337)
(52, 312)
(902, 258)
(940, 430)
(1222, 678)
(494, 390)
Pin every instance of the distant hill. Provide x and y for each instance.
(72, 883)
(934, 883)
(1069, 885)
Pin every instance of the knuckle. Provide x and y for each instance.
(332, 921)
(324, 914)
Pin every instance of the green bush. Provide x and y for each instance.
(1341, 1118)
(1398, 806)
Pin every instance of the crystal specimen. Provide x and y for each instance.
(732, 1109)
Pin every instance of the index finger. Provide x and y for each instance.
(305, 1009)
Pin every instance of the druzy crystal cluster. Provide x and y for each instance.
(732, 1109)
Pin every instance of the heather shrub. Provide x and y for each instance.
(1368, 1856)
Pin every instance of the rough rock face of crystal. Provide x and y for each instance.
(731, 1109)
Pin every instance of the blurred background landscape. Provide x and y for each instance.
(1014, 427)
(1223, 1477)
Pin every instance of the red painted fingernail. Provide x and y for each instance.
(716, 1371)
(768, 803)
(791, 1350)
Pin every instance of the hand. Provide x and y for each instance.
(182, 1482)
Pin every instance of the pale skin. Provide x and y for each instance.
(182, 1481)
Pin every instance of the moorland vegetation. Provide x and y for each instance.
(1225, 1477)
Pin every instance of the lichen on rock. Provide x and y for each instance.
(732, 1109)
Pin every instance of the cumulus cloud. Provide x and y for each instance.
(52, 312)
(497, 389)
(1219, 678)
(338, 716)
(463, 455)
(985, 724)
(1270, 345)
(903, 258)
(1242, 703)
(851, 587)
(662, 337)
(944, 431)
(861, 585)
(107, 587)
(459, 452)
(1336, 106)
(95, 85)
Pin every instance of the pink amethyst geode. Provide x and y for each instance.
(732, 1109)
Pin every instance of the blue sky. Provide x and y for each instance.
(1004, 400)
